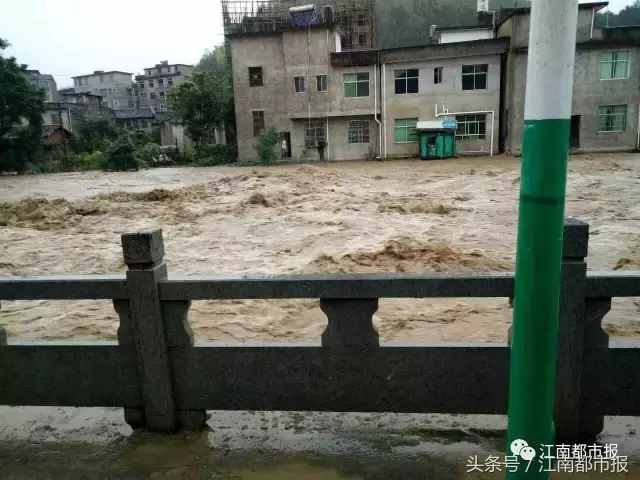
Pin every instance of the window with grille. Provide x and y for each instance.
(314, 133)
(255, 77)
(471, 126)
(258, 122)
(474, 77)
(321, 83)
(356, 84)
(437, 75)
(612, 118)
(358, 131)
(405, 130)
(406, 81)
(298, 84)
(614, 65)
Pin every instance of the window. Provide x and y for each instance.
(356, 84)
(161, 94)
(150, 83)
(258, 122)
(437, 75)
(160, 82)
(405, 130)
(255, 77)
(358, 131)
(613, 118)
(298, 84)
(614, 65)
(406, 81)
(363, 39)
(471, 126)
(152, 95)
(141, 85)
(321, 83)
(474, 77)
(163, 107)
(314, 133)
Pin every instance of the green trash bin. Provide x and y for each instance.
(437, 139)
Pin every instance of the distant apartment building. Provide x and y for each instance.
(152, 87)
(44, 82)
(116, 88)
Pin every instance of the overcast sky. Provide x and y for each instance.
(75, 37)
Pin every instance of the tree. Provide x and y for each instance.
(21, 108)
(204, 103)
(213, 61)
(121, 155)
(629, 15)
(266, 146)
(94, 132)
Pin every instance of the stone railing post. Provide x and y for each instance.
(143, 255)
(179, 335)
(571, 332)
(350, 323)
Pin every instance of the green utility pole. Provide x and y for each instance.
(541, 216)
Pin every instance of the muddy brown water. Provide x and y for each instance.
(456, 216)
(402, 216)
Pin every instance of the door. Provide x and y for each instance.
(575, 131)
(285, 144)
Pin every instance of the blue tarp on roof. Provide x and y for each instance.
(304, 16)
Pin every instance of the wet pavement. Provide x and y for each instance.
(52, 443)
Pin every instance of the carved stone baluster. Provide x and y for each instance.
(350, 323)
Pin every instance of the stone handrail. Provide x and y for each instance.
(166, 383)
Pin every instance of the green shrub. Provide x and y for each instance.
(89, 161)
(121, 155)
(267, 142)
(186, 156)
(149, 154)
(211, 155)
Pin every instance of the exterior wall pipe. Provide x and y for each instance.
(384, 106)
(493, 122)
(552, 46)
(638, 136)
(375, 109)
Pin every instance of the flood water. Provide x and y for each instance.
(456, 216)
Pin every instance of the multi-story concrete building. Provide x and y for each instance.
(458, 81)
(43, 82)
(152, 87)
(606, 88)
(116, 88)
(361, 103)
(365, 102)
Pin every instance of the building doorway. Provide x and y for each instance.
(285, 144)
(574, 140)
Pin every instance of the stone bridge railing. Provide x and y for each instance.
(165, 383)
